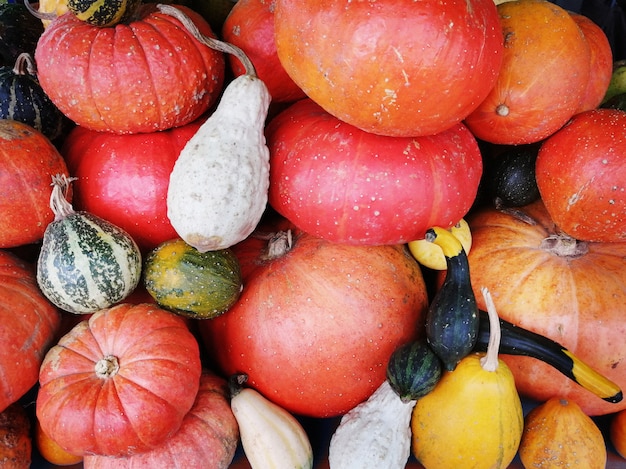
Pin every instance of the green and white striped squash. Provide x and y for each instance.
(86, 263)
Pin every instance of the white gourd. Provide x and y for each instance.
(375, 433)
(218, 188)
(271, 437)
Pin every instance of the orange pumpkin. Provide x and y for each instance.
(15, 441)
(572, 292)
(543, 77)
(559, 434)
(617, 432)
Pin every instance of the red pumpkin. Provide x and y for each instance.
(349, 186)
(207, 438)
(124, 178)
(30, 323)
(573, 292)
(28, 161)
(144, 76)
(250, 26)
(317, 321)
(543, 77)
(388, 67)
(581, 175)
(601, 68)
(119, 383)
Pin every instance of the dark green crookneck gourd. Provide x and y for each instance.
(516, 340)
(452, 320)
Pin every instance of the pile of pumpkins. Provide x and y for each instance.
(249, 186)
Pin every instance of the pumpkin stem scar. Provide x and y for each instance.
(107, 367)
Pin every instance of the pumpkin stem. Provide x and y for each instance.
(490, 362)
(236, 383)
(24, 64)
(39, 14)
(107, 367)
(563, 245)
(58, 199)
(213, 43)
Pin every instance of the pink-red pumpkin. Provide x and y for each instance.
(581, 176)
(207, 438)
(124, 178)
(119, 383)
(349, 186)
(401, 68)
(28, 161)
(147, 75)
(317, 321)
(30, 323)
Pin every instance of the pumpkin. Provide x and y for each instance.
(617, 432)
(22, 99)
(50, 450)
(31, 325)
(188, 282)
(392, 68)
(581, 176)
(543, 77)
(124, 178)
(601, 63)
(144, 76)
(557, 433)
(207, 437)
(392, 188)
(569, 291)
(119, 383)
(29, 160)
(15, 440)
(250, 26)
(317, 321)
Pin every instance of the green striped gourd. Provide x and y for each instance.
(85, 263)
(103, 12)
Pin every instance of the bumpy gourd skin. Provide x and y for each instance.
(103, 12)
(452, 320)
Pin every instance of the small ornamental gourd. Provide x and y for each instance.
(375, 433)
(270, 435)
(431, 255)
(85, 263)
(218, 188)
(103, 12)
(452, 320)
(413, 370)
(22, 99)
(188, 282)
(473, 418)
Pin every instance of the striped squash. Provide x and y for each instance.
(85, 263)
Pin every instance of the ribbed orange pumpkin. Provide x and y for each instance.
(144, 76)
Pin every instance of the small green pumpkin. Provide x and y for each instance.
(85, 263)
(413, 370)
(22, 99)
(200, 285)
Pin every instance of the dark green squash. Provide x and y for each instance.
(452, 319)
(22, 99)
(516, 340)
(413, 370)
(19, 32)
(200, 285)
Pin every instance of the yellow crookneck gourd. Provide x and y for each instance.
(473, 417)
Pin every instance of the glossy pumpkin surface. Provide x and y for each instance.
(120, 382)
(28, 160)
(543, 77)
(124, 178)
(317, 321)
(31, 325)
(349, 186)
(389, 67)
(572, 292)
(207, 437)
(144, 76)
(581, 175)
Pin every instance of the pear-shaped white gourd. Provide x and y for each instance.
(218, 188)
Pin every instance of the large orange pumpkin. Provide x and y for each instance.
(317, 321)
(144, 76)
(28, 161)
(543, 77)
(30, 323)
(399, 68)
(573, 292)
